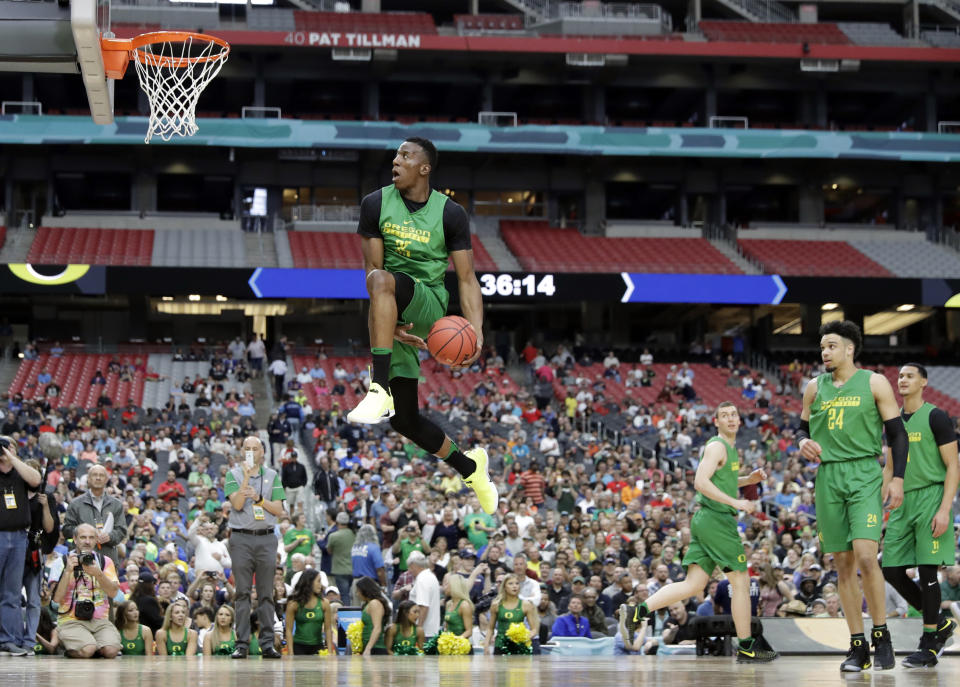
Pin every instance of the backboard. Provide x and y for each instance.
(61, 36)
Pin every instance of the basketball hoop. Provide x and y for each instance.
(173, 68)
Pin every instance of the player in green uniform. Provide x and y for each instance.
(409, 232)
(844, 414)
(714, 538)
(919, 532)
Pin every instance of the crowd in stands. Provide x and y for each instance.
(586, 523)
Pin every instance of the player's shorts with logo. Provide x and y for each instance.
(426, 307)
(909, 538)
(849, 504)
(715, 542)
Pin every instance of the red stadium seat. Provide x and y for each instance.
(811, 258)
(59, 246)
(769, 32)
(545, 249)
(340, 250)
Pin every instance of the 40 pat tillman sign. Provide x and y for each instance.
(331, 39)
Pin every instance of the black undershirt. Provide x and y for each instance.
(456, 225)
(940, 425)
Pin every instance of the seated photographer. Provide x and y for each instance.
(88, 582)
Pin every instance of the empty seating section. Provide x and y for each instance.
(436, 379)
(710, 384)
(325, 249)
(366, 22)
(340, 250)
(872, 33)
(72, 373)
(482, 262)
(199, 247)
(60, 246)
(489, 22)
(271, 19)
(811, 258)
(949, 38)
(912, 258)
(760, 32)
(539, 247)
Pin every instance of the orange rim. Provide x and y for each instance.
(117, 52)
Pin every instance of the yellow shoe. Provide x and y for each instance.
(376, 407)
(480, 482)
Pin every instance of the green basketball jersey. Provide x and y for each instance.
(845, 420)
(726, 478)
(414, 243)
(924, 465)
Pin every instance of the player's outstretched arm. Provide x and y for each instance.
(713, 457)
(471, 300)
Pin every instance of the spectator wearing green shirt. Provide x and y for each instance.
(299, 538)
(410, 540)
(950, 591)
(199, 475)
(339, 544)
(478, 524)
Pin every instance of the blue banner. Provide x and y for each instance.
(740, 289)
(275, 282)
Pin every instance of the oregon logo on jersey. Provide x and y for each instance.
(311, 615)
(842, 402)
(735, 465)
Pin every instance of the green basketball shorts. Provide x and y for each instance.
(848, 503)
(715, 541)
(426, 307)
(909, 539)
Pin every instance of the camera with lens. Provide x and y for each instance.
(85, 559)
(83, 610)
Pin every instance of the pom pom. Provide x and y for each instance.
(449, 644)
(406, 650)
(515, 641)
(355, 636)
(518, 633)
(430, 646)
(323, 652)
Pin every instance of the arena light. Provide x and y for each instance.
(221, 299)
(167, 298)
(830, 306)
(906, 307)
(193, 297)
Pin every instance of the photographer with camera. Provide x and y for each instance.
(16, 478)
(88, 582)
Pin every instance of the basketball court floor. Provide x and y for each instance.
(456, 671)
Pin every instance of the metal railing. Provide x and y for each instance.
(325, 213)
(763, 10)
(256, 112)
(606, 12)
(21, 107)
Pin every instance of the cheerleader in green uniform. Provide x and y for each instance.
(174, 639)
(137, 639)
(309, 622)
(458, 612)
(375, 614)
(507, 608)
(404, 637)
(221, 639)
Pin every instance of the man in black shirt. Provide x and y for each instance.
(43, 536)
(16, 478)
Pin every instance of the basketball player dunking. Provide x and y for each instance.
(409, 232)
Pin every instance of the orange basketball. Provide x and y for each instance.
(452, 340)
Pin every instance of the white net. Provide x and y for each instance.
(173, 74)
